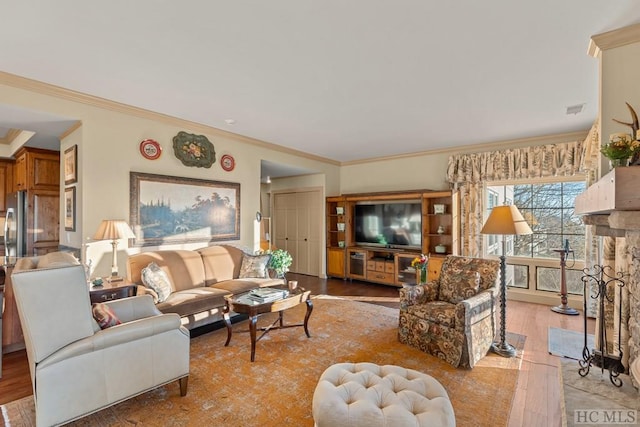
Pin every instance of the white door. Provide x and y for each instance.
(309, 232)
(297, 219)
(285, 222)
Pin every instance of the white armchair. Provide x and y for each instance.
(77, 368)
(1, 310)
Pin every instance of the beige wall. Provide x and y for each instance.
(619, 83)
(108, 149)
(425, 170)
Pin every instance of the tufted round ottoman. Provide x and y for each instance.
(369, 395)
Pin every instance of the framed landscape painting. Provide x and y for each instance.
(169, 209)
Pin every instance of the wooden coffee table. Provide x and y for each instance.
(242, 304)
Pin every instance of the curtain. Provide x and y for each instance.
(609, 303)
(621, 306)
(471, 209)
(593, 249)
(565, 159)
(469, 172)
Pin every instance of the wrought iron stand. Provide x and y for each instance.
(602, 277)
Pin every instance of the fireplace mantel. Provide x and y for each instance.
(619, 190)
(612, 204)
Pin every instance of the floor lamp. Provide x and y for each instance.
(114, 229)
(504, 220)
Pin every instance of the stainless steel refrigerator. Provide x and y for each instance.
(15, 225)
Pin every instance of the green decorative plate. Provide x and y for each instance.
(194, 150)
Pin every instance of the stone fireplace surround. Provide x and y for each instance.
(612, 206)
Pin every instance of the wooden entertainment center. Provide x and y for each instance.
(390, 264)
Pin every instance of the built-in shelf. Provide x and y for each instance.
(389, 265)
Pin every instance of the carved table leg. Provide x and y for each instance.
(227, 321)
(306, 317)
(252, 330)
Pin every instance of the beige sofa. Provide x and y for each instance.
(50, 260)
(200, 279)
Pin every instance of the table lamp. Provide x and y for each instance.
(114, 229)
(504, 220)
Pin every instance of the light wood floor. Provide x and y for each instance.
(537, 398)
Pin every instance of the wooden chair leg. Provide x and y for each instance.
(184, 381)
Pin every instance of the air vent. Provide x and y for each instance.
(575, 109)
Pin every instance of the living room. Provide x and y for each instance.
(107, 135)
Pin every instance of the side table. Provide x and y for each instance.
(112, 291)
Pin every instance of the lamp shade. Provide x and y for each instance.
(113, 229)
(506, 220)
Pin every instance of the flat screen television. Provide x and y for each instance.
(389, 224)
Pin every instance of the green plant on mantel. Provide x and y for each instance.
(620, 146)
(280, 262)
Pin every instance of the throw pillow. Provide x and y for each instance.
(254, 266)
(155, 278)
(104, 315)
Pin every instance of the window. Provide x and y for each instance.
(549, 209)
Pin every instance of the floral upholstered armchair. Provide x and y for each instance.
(453, 317)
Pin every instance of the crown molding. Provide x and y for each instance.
(612, 39)
(70, 130)
(105, 104)
(487, 146)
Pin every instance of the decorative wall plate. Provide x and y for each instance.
(227, 162)
(194, 150)
(150, 149)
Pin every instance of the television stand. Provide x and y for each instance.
(387, 266)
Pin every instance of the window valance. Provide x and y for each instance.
(563, 159)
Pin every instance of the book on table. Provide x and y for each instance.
(267, 294)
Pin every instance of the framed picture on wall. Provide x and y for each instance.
(170, 209)
(70, 209)
(70, 165)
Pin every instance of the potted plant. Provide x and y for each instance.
(620, 149)
(280, 262)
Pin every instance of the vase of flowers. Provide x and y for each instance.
(420, 265)
(620, 149)
(280, 262)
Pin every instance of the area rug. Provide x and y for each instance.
(589, 398)
(225, 388)
(566, 343)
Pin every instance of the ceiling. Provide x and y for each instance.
(47, 128)
(344, 80)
